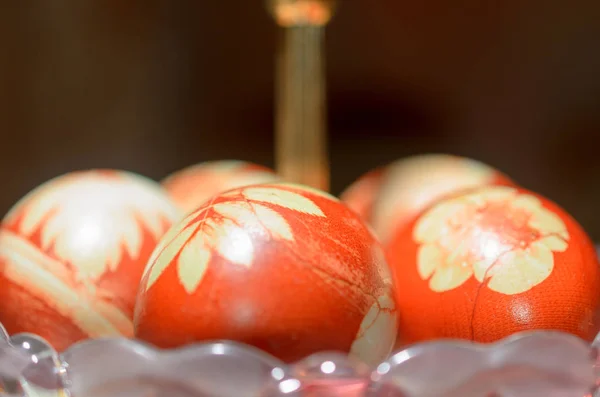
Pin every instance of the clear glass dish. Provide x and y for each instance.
(549, 364)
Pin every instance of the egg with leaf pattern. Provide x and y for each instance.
(72, 253)
(283, 267)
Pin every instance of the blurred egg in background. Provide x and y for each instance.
(191, 186)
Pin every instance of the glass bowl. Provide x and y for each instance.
(543, 363)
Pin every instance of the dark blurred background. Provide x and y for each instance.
(153, 86)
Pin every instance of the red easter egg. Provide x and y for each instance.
(72, 253)
(484, 264)
(360, 196)
(282, 267)
(390, 196)
(192, 186)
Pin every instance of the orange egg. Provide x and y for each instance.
(484, 264)
(388, 197)
(72, 253)
(282, 267)
(192, 186)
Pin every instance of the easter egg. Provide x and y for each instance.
(282, 267)
(192, 186)
(496, 260)
(72, 253)
(388, 197)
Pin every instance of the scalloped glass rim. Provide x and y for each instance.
(524, 364)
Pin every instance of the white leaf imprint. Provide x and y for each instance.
(283, 198)
(90, 219)
(228, 227)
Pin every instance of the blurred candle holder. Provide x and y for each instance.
(301, 135)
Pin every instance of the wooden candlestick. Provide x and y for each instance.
(301, 135)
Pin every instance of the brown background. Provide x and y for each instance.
(153, 86)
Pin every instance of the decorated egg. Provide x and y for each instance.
(388, 197)
(282, 267)
(72, 253)
(192, 186)
(484, 264)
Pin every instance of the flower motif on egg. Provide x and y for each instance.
(226, 232)
(503, 238)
